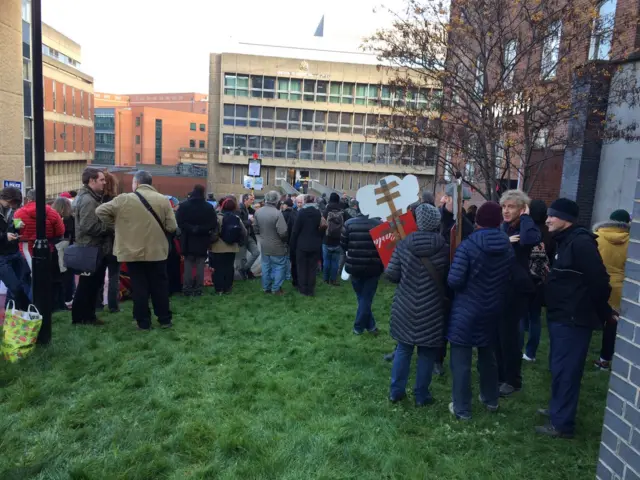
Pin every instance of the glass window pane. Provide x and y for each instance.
(241, 115)
(372, 95)
(386, 96)
(318, 149)
(294, 119)
(358, 124)
(254, 116)
(281, 118)
(395, 152)
(347, 92)
(368, 152)
(320, 121)
(241, 145)
(361, 93)
(256, 86)
(283, 88)
(230, 80)
(372, 124)
(254, 145)
(292, 148)
(383, 153)
(227, 144)
(269, 86)
(305, 149)
(295, 89)
(321, 89)
(345, 122)
(280, 147)
(307, 120)
(335, 90)
(242, 86)
(266, 147)
(268, 114)
(356, 152)
(309, 90)
(229, 114)
(343, 152)
(331, 150)
(333, 119)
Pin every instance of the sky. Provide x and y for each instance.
(141, 46)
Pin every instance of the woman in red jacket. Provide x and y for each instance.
(55, 226)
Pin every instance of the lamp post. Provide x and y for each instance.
(41, 253)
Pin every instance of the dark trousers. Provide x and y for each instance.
(14, 272)
(307, 263)
(365, 288)
(69, 285)
(569, 349)
(461, 357)
(193, 281)
(608, 341)
(84, 303)
(424, 371)
(150, 279)
(294, 269)
(508, 351)
(223, 271)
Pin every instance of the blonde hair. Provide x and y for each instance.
(518, 196)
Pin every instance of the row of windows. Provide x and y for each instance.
(70, 138)
(193, 127)
(69, 105)
(327, 150)
(104, 121)
(295, 89)
(314, 120)
(61, 57)
(158, 155)
(201, 144)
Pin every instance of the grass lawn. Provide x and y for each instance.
(252, 386)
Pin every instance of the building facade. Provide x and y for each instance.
(12, 121)
(316, 120)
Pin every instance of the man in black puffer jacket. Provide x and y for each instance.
(365, 267)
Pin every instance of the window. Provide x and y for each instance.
(372, 124)
(334, 92)
(254, 116)
(383, 153)
(510, 52)
(542, 138)
(280, 150)
(283, 88)
(361, 94)
(82, 107)
(254, 145)
(54, 95)
(332, 148)
(423, 99)
(356, 152)
(372, 95)
(64, 136)
(268, 114)
(269, 87)
(240, 146)
(478, 87)
(193, 127)
(158, 157)
(398, 97)
(229, 114)
(242, 86)
(307, 120)
(295, 89)
(203, 127)
(305, 149)
(309, 90)
(369, 152)
(281, 118)
(137, 139)
(320, 120)
(358, 124)
(321, 91)
(551, 51)
(230, 84)
(294, 119)
(602, 35)
(333, 120)
(318, 149)
(137, 118)
(448, 167)
(192, 144)
(343, 152)
(292, 147)
(256, 86)
(137, 158)
(347, 93)
(345, 122)
(82, 139)
(386, 96)
(227, 144)
(73, 133)
(64, 99)
(241, 115)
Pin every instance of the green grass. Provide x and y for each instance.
(249, 386)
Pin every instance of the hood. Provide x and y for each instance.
(616, 233)
(491, 241)
(310, 205)
(30, 209)
(425, 244)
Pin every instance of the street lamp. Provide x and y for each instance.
(41, 254)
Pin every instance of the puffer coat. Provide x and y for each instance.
(479, 275)
(418, 311)
(613, 242)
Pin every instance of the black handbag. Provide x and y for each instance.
(82, 259)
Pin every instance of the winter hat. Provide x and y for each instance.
(620, 216)
(68, 195)
(538, 211)
(334, 198)
(489, 215)
(564, 209)
(427, 218)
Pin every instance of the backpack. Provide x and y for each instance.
(335, 222)
(539, 265)
(231, 230)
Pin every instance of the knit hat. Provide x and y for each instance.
(564, 209)
(489, 215)
(427, 218)
(334, 198)
(620, 216)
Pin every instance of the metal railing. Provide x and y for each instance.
(286, 187)
(320, 188)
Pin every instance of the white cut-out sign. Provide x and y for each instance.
(377, 200)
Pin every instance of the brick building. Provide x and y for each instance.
(162, 129)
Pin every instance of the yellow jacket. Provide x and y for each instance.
(613, 241)
(220, 246)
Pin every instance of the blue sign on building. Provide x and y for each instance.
(13, 183)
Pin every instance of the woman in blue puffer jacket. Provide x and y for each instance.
(479, 275)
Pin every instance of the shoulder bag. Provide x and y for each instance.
(437, 278)
(167, 235)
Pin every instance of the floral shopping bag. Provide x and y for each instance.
(20, 331)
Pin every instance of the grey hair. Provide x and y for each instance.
(31, 195)
(518, 196)
(272, 197)
(143, 177)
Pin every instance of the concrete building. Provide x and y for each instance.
(314, 120)
(12, 157)
(181, 102)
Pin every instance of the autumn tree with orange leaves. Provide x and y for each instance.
(507, 69)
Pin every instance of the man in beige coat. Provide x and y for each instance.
(141, 241)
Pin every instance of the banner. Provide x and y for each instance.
(385, 240)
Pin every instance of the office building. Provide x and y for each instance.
(316, 120)
(151, 129)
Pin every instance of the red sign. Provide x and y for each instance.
(384, 238)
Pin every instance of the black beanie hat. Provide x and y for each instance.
(564, 209)
(489, 215)
(334, 198)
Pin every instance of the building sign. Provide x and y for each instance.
(303, 71)
(13, 183)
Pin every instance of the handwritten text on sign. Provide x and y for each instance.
(384, 239)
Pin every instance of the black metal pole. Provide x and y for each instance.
(41, 254)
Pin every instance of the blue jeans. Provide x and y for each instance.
(365, 289)
(569, 349)
(330, 262)
(14, 273)
(424, 371)
(532, 323)
(274, 270)
(461, 357)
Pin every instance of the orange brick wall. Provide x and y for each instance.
(123, 138)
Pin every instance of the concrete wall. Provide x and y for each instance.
(620, 446)
(619, 161)
(11, 102)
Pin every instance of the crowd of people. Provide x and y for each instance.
(516, 258)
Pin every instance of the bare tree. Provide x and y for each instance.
(491, 83)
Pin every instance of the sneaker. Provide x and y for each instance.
(389, 356)
(527, 358)
(602, 364)
(459, 417)
(507, 390)
(438, 369)
(544, 412)
(491, 408)
(550, 431)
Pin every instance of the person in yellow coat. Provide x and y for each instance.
(613, 241)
